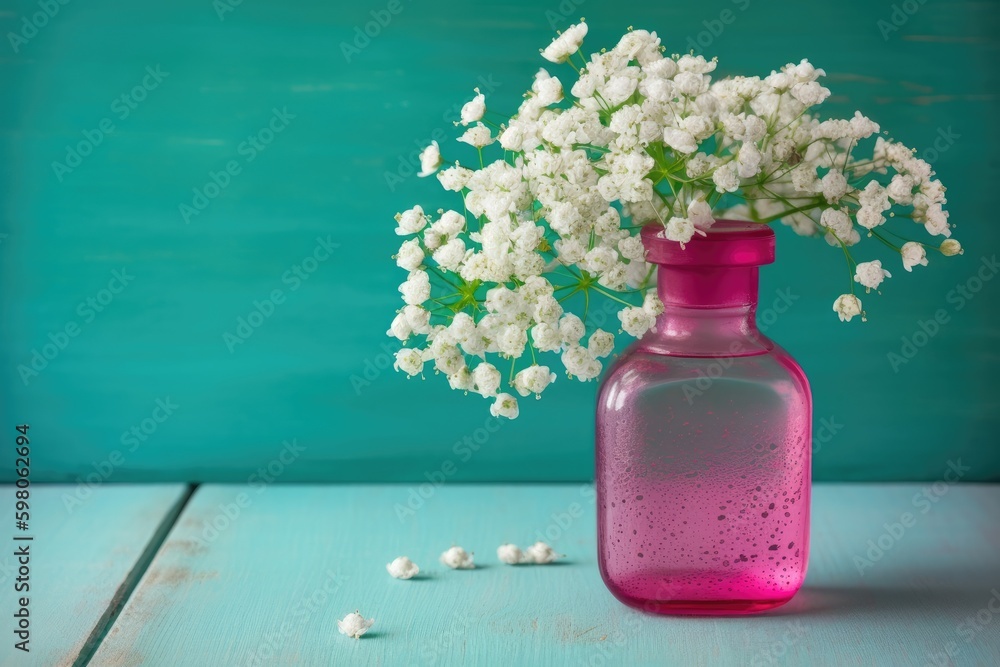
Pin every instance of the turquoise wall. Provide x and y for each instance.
(313, 143)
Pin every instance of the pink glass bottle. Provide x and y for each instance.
(704, 441)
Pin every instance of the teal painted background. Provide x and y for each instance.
(312, 373)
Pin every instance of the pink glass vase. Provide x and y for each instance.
(704, 441)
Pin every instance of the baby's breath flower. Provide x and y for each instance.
(474, 109)
(950, 248)
(913, 255)
(540, 553)
(871, 274)
(354, 625)
(430, 160)
(458, 558)
(601, 343)
(478, 136)
(636, 321)
(410, 361)
(533, 380)
(847, 306)
(566, 44)
(510, 554)
(550, 219)
(410, 221)
(505, 405)
(402, 568)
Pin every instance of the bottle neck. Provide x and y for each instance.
(707, 312)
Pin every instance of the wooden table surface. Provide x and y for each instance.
(241, 575)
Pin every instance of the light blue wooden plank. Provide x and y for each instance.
(268, 588)
(83, 555)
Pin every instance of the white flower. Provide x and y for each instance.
(354, 625)
(874, 199)
(936, 221)
(680, 230)
(540, 553)
(847, 306)
(571, 328)
(834, 186)
(505, 405)
(450, 255)
(399, 328)
(631, 248)
(417, 318)
(478, 136)
(871, 274)
(700, 214)
(474, 109)
(680, 140)
(548, 89)
(533, 380)
(402, 568)
(410, 361)
(651, 303)
(913, 255)
(486, 378)
(748, 161)
(411, 221)
(430, 160)
(417, 288)
(580, 363)
(457, 558)
(454, 178)
(950, 248)
(636, 321)
(510, 554)
(839, 227)
(726, 178)
(545, 337)
(601, 343)
(410, 255)
(461, 380)
(566, 44)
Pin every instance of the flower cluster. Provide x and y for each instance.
(551, 222)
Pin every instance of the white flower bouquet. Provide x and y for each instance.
(550, 217)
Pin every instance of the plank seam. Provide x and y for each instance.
(129, 583)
